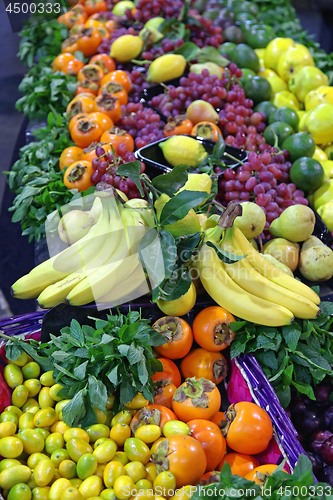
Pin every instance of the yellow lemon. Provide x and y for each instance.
(328, 168)
(180, 149)
(126, 47)
(291, 61)
(319, 123)
(198, 182)
(166, 68)
(181, 306)
(188, 225)
(275, 81)
(275, 49)
(307, 79)
(319, 155)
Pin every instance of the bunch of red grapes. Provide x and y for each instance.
(105, 170)
(205, 33)
(263, 179)
(144, 125)
(147, 9)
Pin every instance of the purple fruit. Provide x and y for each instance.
(328, 418)
(322, 392)
(326, 451)
(310, 422)
(317, 440)
(326, 474)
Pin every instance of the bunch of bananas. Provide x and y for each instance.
(252, 288)
(103, 266)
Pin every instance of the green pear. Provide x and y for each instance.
(295, 224)
(284, 251)
(316, 260)
(213, 68)
(252, 221)
(278, 264)
(188, 225)
(121, 7)
(154, 22)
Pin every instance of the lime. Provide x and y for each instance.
(226, 49)
(281, 129)
(286, 115)
(245, 57)
(249, 7)
(258, 89)
(299, 145)
(258, 38)
(233, 34)
(180, 149)
(126, 47)
(180, 306)
(307, 174)
(247, 74)
(242, 17)
(265, 107)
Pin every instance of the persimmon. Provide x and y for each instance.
(177, 126)
(178, 337)
(78, 175)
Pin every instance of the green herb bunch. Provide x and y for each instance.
(298, 355)
(91, 364)
(278, 486)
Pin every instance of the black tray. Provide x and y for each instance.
(153, 158)
(146, 95)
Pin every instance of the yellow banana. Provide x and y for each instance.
(271, 272)
(57, 293)
(232, 297)
(61, 265)
(116, 269)
(248, 278)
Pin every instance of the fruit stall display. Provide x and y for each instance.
(204, 127)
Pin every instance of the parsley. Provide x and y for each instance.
(298, 355)
(115, 357)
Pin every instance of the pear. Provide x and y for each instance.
(316, 260)
(213, 68)
(201, 111)
(286, 252)
(252, 221)
(295, 224)
(278, 264)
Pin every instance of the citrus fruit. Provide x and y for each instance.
(126, 47)
(329, 152)
(198, 182)
(259, 38)
(307, 173)
(245, 57)
(247, 74)
(285, 98)
(180, 149)
(181, 306)
(299, 145)
(265, 107)
(286, 115)
(166, 68)
(321, 95)
(274, 50)
(318, 123)
(188, 225)
(258, 89)
(281, 129)
(226, 49)
(319, 154)
(326, 213)
(233, 34)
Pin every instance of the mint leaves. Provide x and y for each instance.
(299, 355)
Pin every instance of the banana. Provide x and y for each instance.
(133, 287)
(248, 278)
(271, 272)
(232, 297)
(116, 269)
(61, 265)
(57, 293)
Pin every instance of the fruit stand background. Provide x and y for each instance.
(16, 260)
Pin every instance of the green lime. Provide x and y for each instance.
(265, 107)
(242, 17)
(245, 57)
(286, 115)
(307, 174)
(299, 145)
(258, 38)
(258, 89)
(248, 74)
(249, 7)
(227, 48)
(233, 34)
(281, 129)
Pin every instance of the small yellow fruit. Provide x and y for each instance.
(166, 68)
(181, 306)
(319, 155)
(275, 49)
(126, 47)
(291, 61)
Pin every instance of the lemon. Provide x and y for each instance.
(291, 61)
(319, 154)
(180, 149)
(166, 68)
(188, 225)
(275, 49)
(285, 99)
(181, 306)
(198, 182)
(326, 213)
(328, 169)
(126, 47)
(321, 95)
(319, 123)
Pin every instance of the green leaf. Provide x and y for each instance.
(80, 371)
(267, 358)
(75, 409)
(113, 376)
(327, 308)
(291, 335)
(64, 371)
(288, 375)
(219, 147)
(13, 351)
(76, 332)
(211, 54)
(185, 246)
(177, 285)
(157, 254)
(189, 50)
(226, 257)
(171, 182)
(284, 395)
(97, 393)
(142, 373)
(313, 357)
(304, 389)
(132, 170)
(178, 207)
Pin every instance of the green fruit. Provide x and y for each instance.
(299, 145)
(258, 89)
(245, 57)
(155, 22)
(265, 107)
(233, 34)
(247, 74)
(242, 17)
(281, 129)
(121, 7)
(307, 174)
(19, 492)
(226, 49)
(258, 38)
(86, 466)
(249, 7)
(286, 115)
(14, 475)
